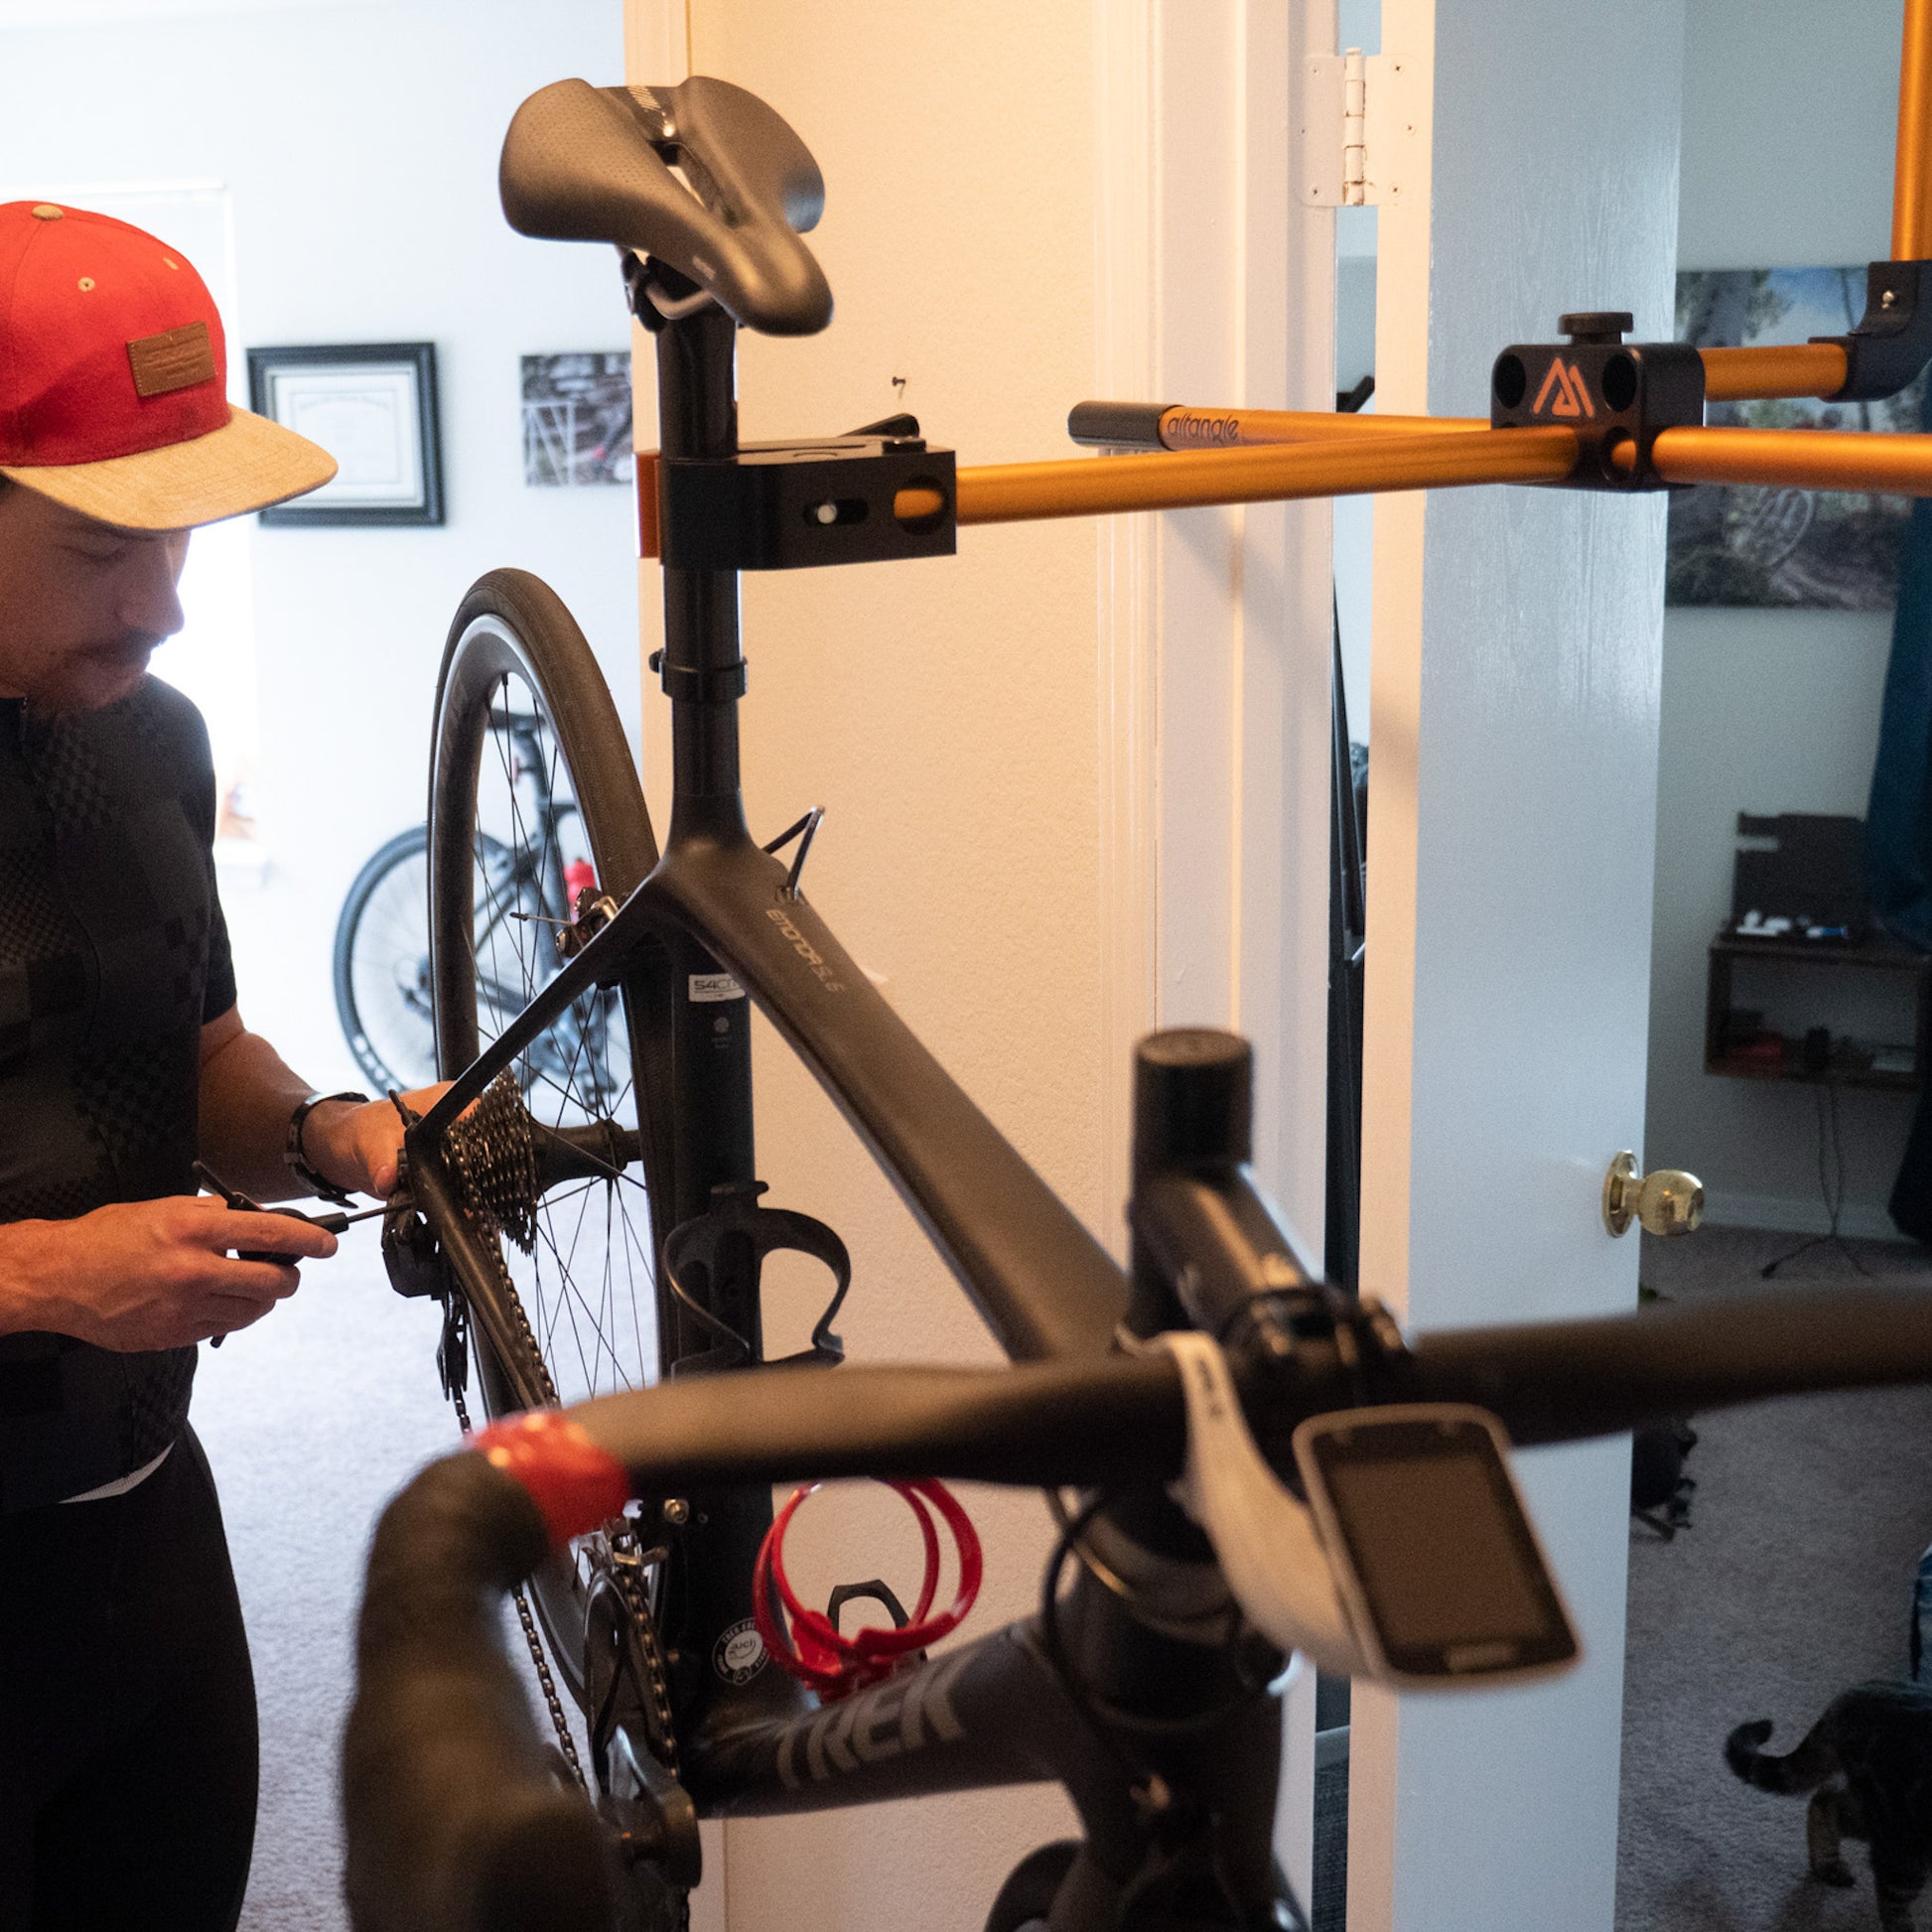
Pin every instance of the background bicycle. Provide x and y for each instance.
(533, 862)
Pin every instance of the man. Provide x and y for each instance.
(127, 1720)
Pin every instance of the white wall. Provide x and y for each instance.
(945, 714)
(1026, 207)
(1789, 113)
(360, 144)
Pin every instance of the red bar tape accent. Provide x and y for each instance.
(574, 1485)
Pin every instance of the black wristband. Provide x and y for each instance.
(296, 1158)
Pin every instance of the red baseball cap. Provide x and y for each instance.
(113, 381)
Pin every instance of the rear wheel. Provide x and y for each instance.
(533, 798)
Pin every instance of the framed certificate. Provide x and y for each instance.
(372, 407)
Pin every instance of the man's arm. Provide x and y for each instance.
(249, 1093)
(161, 1274)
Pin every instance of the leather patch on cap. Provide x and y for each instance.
(176, 360)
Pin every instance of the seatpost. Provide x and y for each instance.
(703, 674)
(702, 668)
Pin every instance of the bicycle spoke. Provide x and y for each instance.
(590, 1256)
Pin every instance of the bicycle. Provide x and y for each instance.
(641, 1519)
(381, 964)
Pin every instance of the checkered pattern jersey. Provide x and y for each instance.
(112, 955)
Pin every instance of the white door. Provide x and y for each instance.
(1515, 680)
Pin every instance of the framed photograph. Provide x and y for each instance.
(577, 419)
(1775, 547)
(372, 407)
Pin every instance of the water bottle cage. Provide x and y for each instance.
(808, 1645)
(736, 1225)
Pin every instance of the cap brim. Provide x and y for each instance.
(249, 464)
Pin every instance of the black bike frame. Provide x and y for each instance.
(997, 1712)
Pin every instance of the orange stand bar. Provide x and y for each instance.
(1754, 374)
(1021, 493)
(1805, 459)
(1911, 191)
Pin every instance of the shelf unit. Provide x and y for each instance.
(1848, 1064)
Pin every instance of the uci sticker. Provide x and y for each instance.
(707, 988)
(738, 1655)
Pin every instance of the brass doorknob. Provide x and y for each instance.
(1667, 1200)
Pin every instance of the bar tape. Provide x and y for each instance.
(574, 1485)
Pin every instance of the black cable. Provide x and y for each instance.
(1831, 1186)
(1101, 1713)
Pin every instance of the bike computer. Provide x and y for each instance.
(1432, 1553)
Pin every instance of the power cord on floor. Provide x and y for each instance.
(1831, 1184)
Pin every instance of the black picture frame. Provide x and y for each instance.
(372, 390)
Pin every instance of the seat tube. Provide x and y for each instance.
(712, 1070)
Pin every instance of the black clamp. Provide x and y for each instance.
(1609, 392)
(1892, 342)
(790, 506)
(719, 685)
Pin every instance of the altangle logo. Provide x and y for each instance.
(1571, 393)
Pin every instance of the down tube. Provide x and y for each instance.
(1039, 1280)
(992, 1712)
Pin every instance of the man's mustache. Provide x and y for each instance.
(127, 648)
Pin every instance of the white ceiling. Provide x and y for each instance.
(73, 13)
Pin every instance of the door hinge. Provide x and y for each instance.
(1361, 121)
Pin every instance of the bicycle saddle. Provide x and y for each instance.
(594, 164)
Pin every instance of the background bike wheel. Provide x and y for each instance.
(382, 968)
(579, 1307)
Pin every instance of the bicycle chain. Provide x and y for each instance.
(493, 1151)
(662, 1743)
(566, 1744)
(627, 1567)
(495, 1155)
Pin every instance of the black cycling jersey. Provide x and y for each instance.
(113, 954)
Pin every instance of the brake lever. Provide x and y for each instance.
(1266, 1539)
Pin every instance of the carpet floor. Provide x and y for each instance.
(1792, 1583)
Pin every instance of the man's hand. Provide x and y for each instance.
(359, 1147)
(150, 1274)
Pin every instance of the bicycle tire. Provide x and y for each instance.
(368, 960)
(513, 643)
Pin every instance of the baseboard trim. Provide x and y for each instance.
(1861, 1221)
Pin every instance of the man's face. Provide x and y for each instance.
(82, 605)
